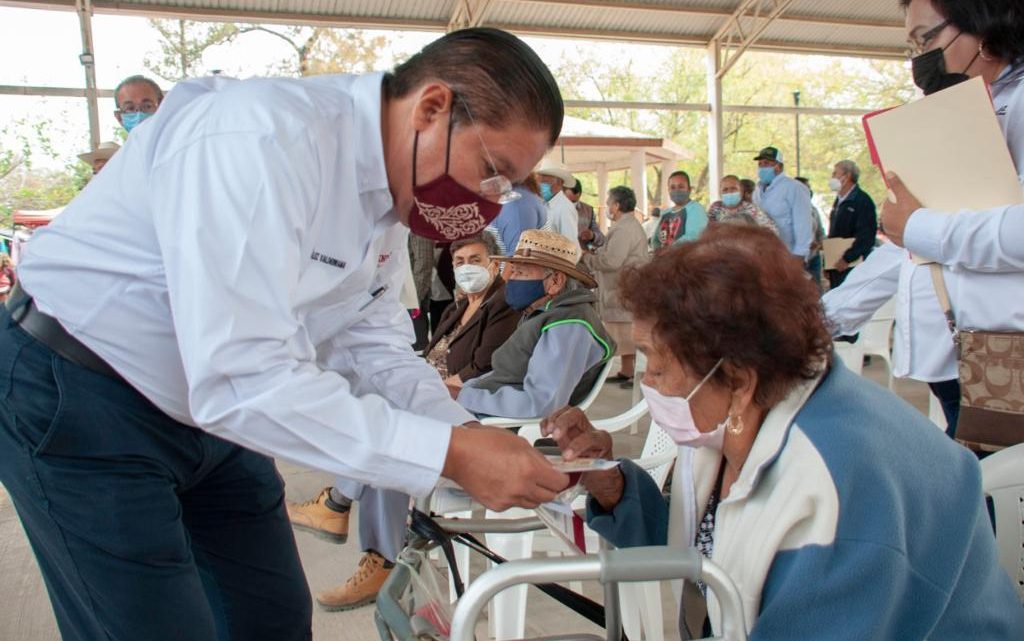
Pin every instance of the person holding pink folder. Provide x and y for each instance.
(981, 251)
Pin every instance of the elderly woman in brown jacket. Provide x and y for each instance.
(479, 322)
(625, 244)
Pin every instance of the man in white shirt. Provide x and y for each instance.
(553, 178)
(226, 290)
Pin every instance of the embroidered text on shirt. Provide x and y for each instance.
(328, 260)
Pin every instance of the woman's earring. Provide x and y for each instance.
(981, 52)
(735, 425)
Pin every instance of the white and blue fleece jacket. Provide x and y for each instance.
(853, 518)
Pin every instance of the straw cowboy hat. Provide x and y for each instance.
(551, 167)
(104, 152)
(549, 249)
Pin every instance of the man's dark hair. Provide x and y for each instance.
(682, 173)
(500, 78)
(997, 23)
(132, 80)
(624, 196)
(577, 188)
(747, 187)
(483, 238)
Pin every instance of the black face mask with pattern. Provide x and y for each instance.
(929, 70)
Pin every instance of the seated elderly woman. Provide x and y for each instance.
(839, 510)
(479, 322)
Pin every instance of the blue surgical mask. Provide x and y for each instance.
(732, 199)
(131, 120)
(679, 196)
(545, 192)
(519, 294)
(766, 174)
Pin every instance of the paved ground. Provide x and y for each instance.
(26, 614)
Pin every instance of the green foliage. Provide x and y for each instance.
(182, 44)
(760, 79)
(322, 50)
(22, 184)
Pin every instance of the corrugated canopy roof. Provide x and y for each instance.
(836, 27)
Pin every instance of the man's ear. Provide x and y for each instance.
(433, 101)
(557, 280)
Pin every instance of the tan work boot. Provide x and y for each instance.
(361, 588)
(314, 516)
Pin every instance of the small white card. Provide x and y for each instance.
(582, 464)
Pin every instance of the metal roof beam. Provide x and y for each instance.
(119, 7)
(706, 12)
(734, 37)
(468, 13)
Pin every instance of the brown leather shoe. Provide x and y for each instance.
(361, 588)
(314, 516)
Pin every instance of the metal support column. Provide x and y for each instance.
(638, 178)
(88, 60)
(602, 197)
(715, 142)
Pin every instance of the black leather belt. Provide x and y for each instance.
(45, 329)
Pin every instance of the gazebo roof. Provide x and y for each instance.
(586, 146)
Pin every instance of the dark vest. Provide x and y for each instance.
(511, 360)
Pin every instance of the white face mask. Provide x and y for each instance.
(835, 184)
(472, 279)
(674, 416)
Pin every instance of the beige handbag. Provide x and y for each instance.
(991, 381)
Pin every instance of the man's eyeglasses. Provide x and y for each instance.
(145, 106)
(918, 45)
(497, 188)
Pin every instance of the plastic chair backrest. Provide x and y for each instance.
(591, 396)
(658, 447)
(852, 355)
(1002, 478)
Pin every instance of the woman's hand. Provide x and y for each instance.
(577, 438)
(453, 381)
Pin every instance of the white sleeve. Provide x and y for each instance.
(230, 215)
(984, 241)
(868, 286)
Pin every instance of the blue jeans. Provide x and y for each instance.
(948, 393)
(143, 528)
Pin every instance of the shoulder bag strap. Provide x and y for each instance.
(939, 281)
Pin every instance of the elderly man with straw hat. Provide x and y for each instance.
(553, 178)
(99, 156)
(555, 355)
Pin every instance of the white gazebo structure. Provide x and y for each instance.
(586, 147)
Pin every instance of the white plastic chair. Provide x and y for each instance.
(532, 425)
(852, 355)
(640, 602)
(1002, 478)
(876, 336)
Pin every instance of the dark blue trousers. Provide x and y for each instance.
(144, 528)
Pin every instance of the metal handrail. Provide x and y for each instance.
(609, 567)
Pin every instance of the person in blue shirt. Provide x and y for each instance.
(685, 221)
(787, 202)
(526, 212)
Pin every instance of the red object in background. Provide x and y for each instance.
(28, 218)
